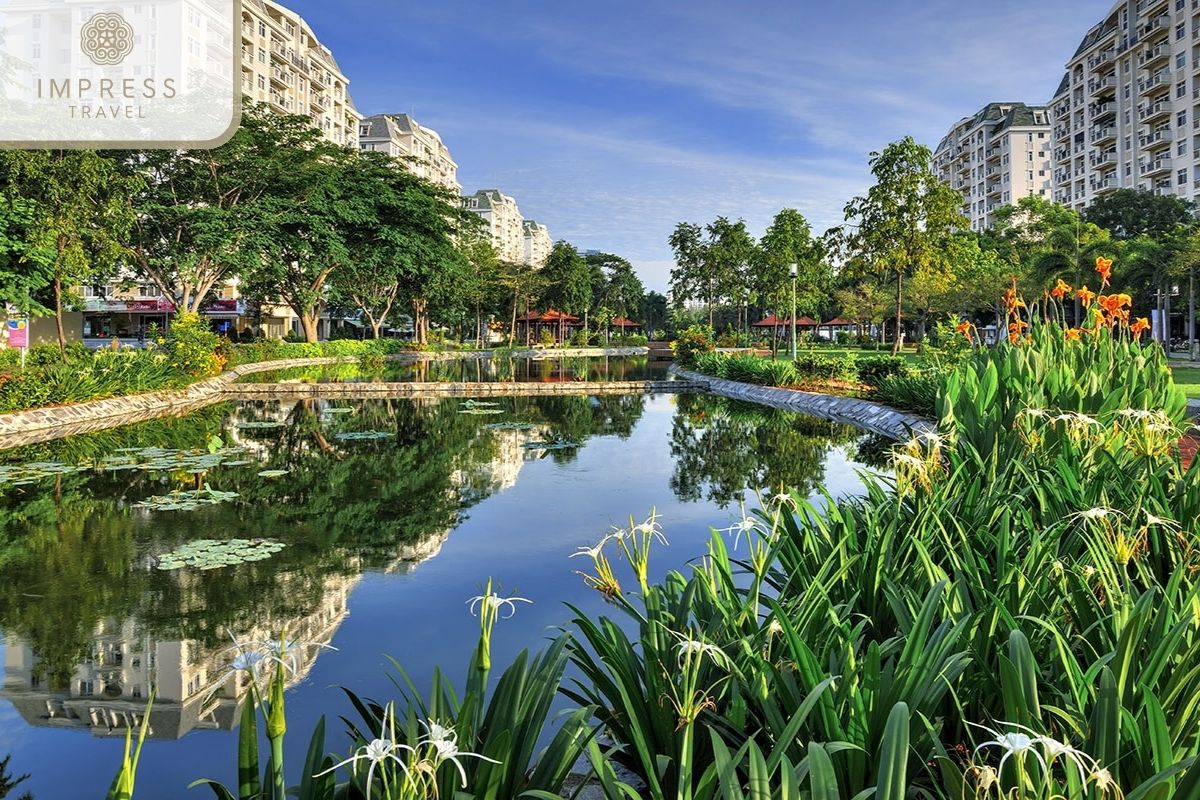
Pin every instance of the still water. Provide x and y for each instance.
(393, 514)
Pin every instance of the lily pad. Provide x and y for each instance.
(556, 444)
(510, 426)
(362, 436)
(212, 554)
(186, 501)
(273, 473)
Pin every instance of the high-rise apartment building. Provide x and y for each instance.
(285, 66)
(401, 136)
(996, 157)
(503, 221)
(1125, 114)
(538, 244)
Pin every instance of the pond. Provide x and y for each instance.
(366, 525)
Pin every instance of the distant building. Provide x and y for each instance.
(503, 220)
(1126, 113)
(996, 157)
(537, 243)
(401, 136)
(286, 67)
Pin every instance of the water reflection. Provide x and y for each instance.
(92, 626)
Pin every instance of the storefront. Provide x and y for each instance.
(227, 316)
(126, 319)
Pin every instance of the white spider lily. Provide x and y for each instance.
(377, 751)
(1169, 524)
(444, 742)
(592, 552)
(1057, 750)
(782, 500)
(651, 529)
(1015, 743)
(493, 604)
(1097, 513)
(1075, 419)
(690, 648)
(744, 527)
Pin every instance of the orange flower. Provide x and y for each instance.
(1104, 269)
(965, 329)
(1086, 295)
(1072, 334)
(1060, 290)
(1139, 327)
(1012, 300)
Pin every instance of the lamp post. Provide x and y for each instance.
(795, 275)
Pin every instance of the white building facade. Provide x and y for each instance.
(996, 157)
(538, 243)
(401, 136)
(285, 66)
(503, 221)
(1125, 114)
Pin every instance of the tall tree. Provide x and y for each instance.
(693, 277)
(1129, 213)
(83, 213)
(656, 314)
(567, 280)
(200, 217)
(732, 253)
(25, 270)
(789, 242)
(622, 291)
(903, 223)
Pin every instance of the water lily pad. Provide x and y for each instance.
(510, 426)
(260, 426)
(186, 501)
(556, 444)
(212, 554)
(361, 436)
(273, 473)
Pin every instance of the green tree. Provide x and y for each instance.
(83, 213)
(482, 288)
(1129, 213)
(202, 214)
(25, 270)
(733, 254)
(622, 291)
(902, 225)
(655, 312)
(693, 277)
(567, 280)
(789, 242)
(1044, 242)
(523, 284)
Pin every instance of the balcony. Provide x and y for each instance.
(1103, 110)
(1063, 109)
(1162, 79)
(1157, 54)
(1062, 132)
(993, 153)
(1105, 59)
(1151, 112)
(279, 77)
(1105, 160)
(320, 101)
(993, 172)
(1101, 135)
(993, 189)
(1159, 137)
(248, 32)
(1097, 86)
(1104, 186)
(1164, 189)
(1159, 23)
(279, 50)
(1159, 166)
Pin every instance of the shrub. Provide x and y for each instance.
(714, 364)
(916, 392)
(745, 369)
(813, 366)
(872, 369)
(192, 347)
(779, 373)
(546, 338)
(692, 342)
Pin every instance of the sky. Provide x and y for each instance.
(612, 121)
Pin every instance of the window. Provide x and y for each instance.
(87, 688)
(1181, 119)
(137, 691)
(262, 28)
(1181, 148)
(262, 56)
(1180, 31)
(1181, 89)
(1180, 60)
(1181, 178)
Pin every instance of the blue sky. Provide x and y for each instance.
(611, 121)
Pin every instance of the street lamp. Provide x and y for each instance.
(795, 275)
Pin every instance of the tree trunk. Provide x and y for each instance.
(58, 315)
(375, 328)
(899, 313)
(308, 323)
(512, 329)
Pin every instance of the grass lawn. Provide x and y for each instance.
(1188, 379)
(911, 355)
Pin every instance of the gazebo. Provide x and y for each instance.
(531, 325)
(773, 321)
(625, 324)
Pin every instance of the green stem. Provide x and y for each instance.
(277, 767)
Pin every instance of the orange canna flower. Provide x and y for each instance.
(1139, 327)
(965, 329)
(1060, 290)
(1086, 295)
(1104, 269)
(1072, 334)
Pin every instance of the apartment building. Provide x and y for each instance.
(285, 66)
(996, 157)
(1126, 112)
(538, 243)
(503, 221)
(401, 136)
